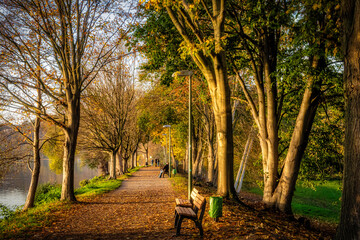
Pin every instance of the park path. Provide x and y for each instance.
(142, 208)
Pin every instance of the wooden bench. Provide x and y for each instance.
(187, 202)
(194, 213)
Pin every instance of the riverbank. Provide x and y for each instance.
(15, 184)
(18, 224)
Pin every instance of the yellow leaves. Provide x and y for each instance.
(316, 6)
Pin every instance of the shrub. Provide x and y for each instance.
(5, 212)
(84, 182)
(47, 193)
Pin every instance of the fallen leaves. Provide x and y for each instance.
(146, 211)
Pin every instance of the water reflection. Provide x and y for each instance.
(14, 186)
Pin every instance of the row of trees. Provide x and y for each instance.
(280, 58)
(51, 52)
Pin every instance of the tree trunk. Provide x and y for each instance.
(211, 161)
(271, 140)
(112, 165)
(30, 199)
(125, 160)
(135, 159)
(198, 161)
(103, 168)
(196, 149)
(147, 153)
(71, 133)
(213, 66)
(211, 151)
(35, 173)
(225, 151)
(279, 193)
(174, 161)
(132, 161)
(119, 163)
(349, 226)
(284, 192)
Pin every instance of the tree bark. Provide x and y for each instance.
(112, 165)
(284, 192)
(349, 226)
(103, 168)
(125, 164)
(30, 199)
(119, 163)
(211, 162)
(71, 134)
(196, 149)
(271, 142)
(35, 173)
(223, 119)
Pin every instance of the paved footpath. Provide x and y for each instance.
(142, 208)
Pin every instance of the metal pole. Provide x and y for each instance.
(190, 143)
(165, 146)
(169, 152)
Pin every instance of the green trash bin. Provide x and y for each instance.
(215, 207)
(173, 172)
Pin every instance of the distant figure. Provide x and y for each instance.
(164, 170)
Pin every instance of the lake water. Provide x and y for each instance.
(15, 185)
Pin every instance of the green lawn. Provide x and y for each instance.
(320, 201)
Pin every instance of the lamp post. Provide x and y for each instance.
(169, 126)
(165, 145)
(189, 74)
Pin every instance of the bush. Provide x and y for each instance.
(5, 212)
(84, 182)
(47, 193)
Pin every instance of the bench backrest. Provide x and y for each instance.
(193, 194)
(199, 204)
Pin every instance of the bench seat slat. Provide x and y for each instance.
(183, 202)
(186, 202)
(183, 211)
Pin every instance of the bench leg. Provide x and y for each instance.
(178, 227)
(199, 226)
(176, 219)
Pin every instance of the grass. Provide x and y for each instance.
(100, 185)
(319, 200)
(322, 203)
(19, 223)
(179, 182)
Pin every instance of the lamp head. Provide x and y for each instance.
(182, 73)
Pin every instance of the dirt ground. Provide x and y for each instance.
(143, 208)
